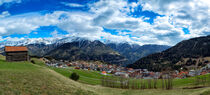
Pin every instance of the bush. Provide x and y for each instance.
(205, 93)
(32, 61)
(74, 76)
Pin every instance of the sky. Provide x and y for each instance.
(163, 22)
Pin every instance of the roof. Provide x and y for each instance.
(15, 48)
(182, 72)
(103, 72)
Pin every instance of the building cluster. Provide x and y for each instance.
(105, 69)
(116, 70)
(191, 73)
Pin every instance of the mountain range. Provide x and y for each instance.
(86, 50)
(75, 48)
(134, 51)
(194, 52)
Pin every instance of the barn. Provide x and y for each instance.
(16, 53)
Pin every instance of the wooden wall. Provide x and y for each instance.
(17, 56)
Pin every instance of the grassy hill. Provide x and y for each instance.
(24, 78)
(87, 77)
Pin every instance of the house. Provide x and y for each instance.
(182, 74)
(204, 72)
(122, 74)
(103, 73)
(192, 73)
(16, 53)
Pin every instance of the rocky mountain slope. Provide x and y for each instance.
(86, 50)
(40, 50)
(180, 55)
(134, 51)
(75, 48)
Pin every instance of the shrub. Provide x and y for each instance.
(205, 93)
(32, 61)
(74, 76)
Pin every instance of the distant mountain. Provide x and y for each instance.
(76, 48)
(25, 42)
(189, 52)
(40, 48)
(86, 50)
(45, 41)
(134, 51)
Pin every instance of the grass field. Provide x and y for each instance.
(24, 78)
(87, 77)
(94, 77)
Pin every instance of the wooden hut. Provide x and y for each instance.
(16, 53)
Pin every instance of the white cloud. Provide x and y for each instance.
(112, 14)
(161, 32)
(35, 32)
(4, 14)
(9, 1)
(13, 39)
(79, 24)
(24, 24)
(72, 4)
(108, 14)
(192, 14)
(54, 33)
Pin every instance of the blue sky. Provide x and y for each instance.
(134, 21)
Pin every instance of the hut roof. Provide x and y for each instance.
(15, 48)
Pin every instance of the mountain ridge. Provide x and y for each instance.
(132, 52)
(175, 56)
(86, 50)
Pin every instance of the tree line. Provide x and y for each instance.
(129, 83)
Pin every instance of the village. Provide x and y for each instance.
(116, 70)
(106, 69)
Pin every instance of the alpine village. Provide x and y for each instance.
(104, 47)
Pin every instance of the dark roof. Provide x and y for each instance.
(15, 48)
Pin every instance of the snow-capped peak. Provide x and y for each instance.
(24, 42)
(45, 41)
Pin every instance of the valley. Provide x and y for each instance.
(24, 74)
(104, 47)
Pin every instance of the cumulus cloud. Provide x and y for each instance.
(192, 14)
(78, 23)
(162, 31)
(108, 14)
(9, 1)
(13, 39)
(113, 14)
(72, 4)
(24, 24)
(4, 14)
(166, 29)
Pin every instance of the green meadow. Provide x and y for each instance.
(25, 78)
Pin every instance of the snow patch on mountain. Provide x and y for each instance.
(24, 42)
(46, 41)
